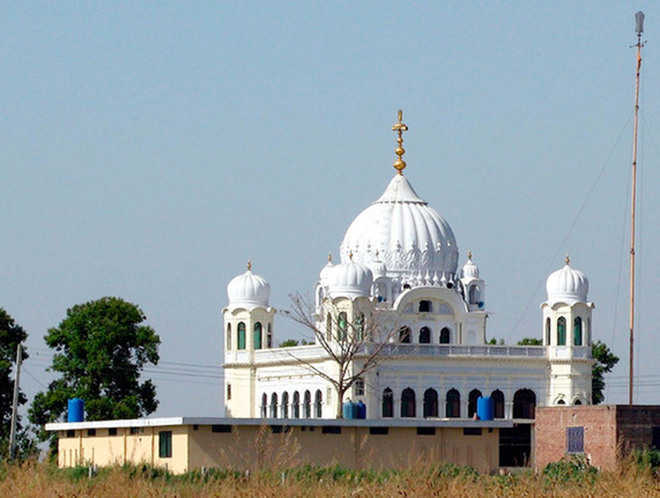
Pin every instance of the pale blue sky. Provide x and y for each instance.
(147, 151)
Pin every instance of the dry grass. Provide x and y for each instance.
(43, 480)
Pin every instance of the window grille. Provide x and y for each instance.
(575, 439)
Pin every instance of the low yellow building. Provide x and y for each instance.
(180, 444)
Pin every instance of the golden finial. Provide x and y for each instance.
(249, 265)
(400, 127)
(469, 254)
(350, 255)
(329, 257)
(567, 259)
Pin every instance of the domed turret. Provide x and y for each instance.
(470, 270)
(350, 280)
(567, 285)
(248, 290)
(378, 268)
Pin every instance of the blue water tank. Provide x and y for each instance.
(347, 410)
(485, 408)
(75, 410)
(355, 410)
(361, 410)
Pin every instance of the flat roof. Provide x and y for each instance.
(305, 422)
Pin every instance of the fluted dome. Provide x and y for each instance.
(410, 236)
(249, 290)
(350, 280)
(567, 285)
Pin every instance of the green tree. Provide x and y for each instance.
(11, 334)
(289, 343)
(604, 362)
(530, 341)
(100, 348)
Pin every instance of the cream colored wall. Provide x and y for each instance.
(251, 447)
(140, 448)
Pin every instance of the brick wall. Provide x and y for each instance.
(600, 440)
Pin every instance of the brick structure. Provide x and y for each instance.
(602, 433)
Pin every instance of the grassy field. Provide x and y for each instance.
(566, 479)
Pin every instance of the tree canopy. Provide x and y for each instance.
(605, 362)
(530, 341)
(100, 348)
(11, 334)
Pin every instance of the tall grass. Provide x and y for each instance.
(569, 478)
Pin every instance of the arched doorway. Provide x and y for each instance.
(524, 403)
(408, 403)
(388, 403)
(498, 403)
(430, 403)
(453, 404)
(472, 402)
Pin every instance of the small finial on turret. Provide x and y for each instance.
(329, 257)
(399, 127)
(567, 259)
(350, 255)
(249, 265)
(469, 254)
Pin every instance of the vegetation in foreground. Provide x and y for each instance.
(574, 477)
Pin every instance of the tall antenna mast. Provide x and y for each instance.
(639, 29)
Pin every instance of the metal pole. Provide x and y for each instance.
(632, 221)
(14, 406)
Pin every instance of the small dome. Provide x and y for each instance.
(248, 289)
(378, 268)
(470, 270)
(350, 280)
(324, 276)
(567, 285)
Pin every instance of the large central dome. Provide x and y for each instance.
(410, 237)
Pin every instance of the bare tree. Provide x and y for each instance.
(356, 347)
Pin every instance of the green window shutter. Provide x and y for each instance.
(561, 331)
(241, 335)
(257, 335)
(165, 444)
(577, 332)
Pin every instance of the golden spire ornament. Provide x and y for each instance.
(567, 259)
(249, 265)
(399, 127)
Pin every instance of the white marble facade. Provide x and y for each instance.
(399, 264)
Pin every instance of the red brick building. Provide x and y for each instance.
(602, 433)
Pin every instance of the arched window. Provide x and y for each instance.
(524, 403)
(318, 403)
(577, 402)
(588, 332)
(547, 331)
(408, 403)
(453, 404)
(425, 306)
(342, 326)
(473, 294)
(269, 337)
(229, 337)
(307, 407)
(577, 332)
(430, 403)
(241, 335)
(296, 404)
(498, 403)
(425, 335)
(404, 335)
(328, 327)
(264, 405)
(359, 326)
(444, 335)
(561, 331)
(273, 405)
(388, 403)
(561, 402)
(285, 405)
(257, 335)
(472, 402)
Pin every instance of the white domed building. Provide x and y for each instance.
(399, 279)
